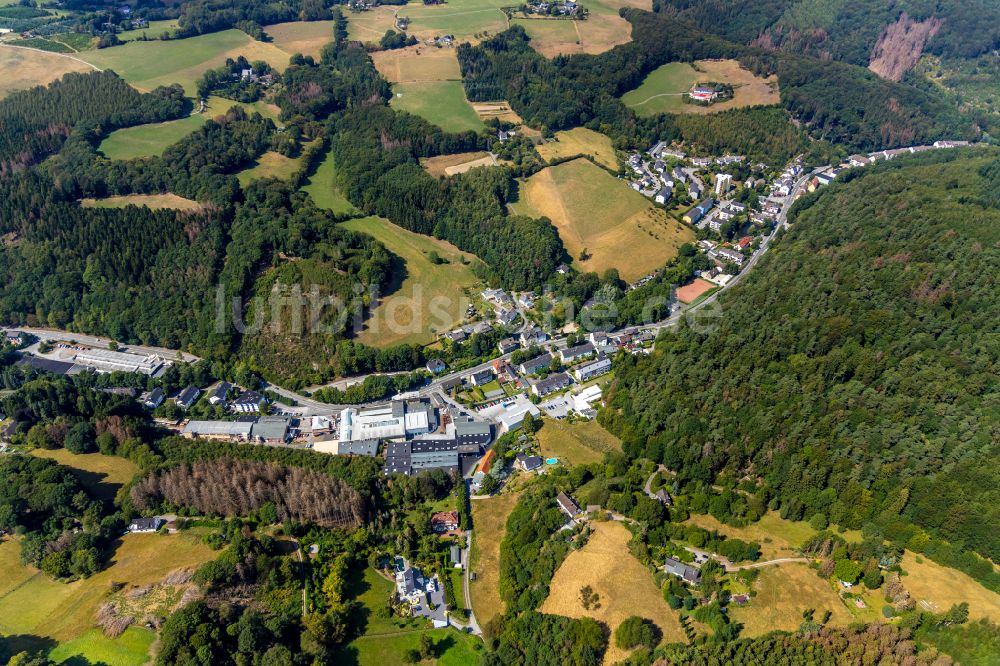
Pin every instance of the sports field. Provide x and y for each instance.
(691, 292)
(580, 141)
(26, 68)
(305, 37)
(154, 201)
(489, 521)
(147, 65)
(602, 216)
(784, 592)
(624, 587)
(322, 187)
(665, 88)
(427, 298)
(102, 474)
(33, 604)
(417, 63)
(576, 443)
(440, 102)
(154, 138)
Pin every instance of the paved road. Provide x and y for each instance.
(55, 335)
(649, 482)
(465, 585)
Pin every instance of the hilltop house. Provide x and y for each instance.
(567, 505)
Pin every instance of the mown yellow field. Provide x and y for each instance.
(576, 443)
(417, 63)
(784, 592)
(269, 165)
(489, 520)
(580, 141)
(500, 110)
(305, 37)
(602, 222)
(936, 588)
(22, 68)
(102, 474)
(168, 200)
(624, 585)
(777, 537)
(601, 31)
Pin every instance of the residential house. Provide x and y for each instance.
(248, 402)
(506, 316)
(508, 345)
(664, 497)
(567, 505)
(683, 571)
(694, 189)
(859, 160)
(482, 377)
(444, 521)
(146, 524)
(730, 254)
(723, 183)
(596, 369)
(679, 175)
(532, 366)
(572, 354)
(220, 393)
(663, 196)
(410, 585)
(527, 463)
(533, 336)
(152, 399)
(436, 366)
(456, 336)
(562, 269)
(550, 384)
(187, 397)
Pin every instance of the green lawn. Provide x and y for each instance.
(102, 475)
(426, 298)
(155, 29)
(269, 165)
(462, 18)
(662, 91)
(129, 649)
(147, 65)
(154, 138)
(451, 648)
(441, 102)
(322, 187)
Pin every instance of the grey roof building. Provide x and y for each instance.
(187, 397)
(684, 571)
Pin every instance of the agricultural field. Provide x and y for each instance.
(576, 443)
(489, 521)
(500, 110)
(580, 141)
(440, 102)
(368, 27)
(26, 68)
(465, 19)
(417, 63)
(427, 297)
(603, 30)
(147, 65)
(269, 165)
(102, 474)
(449, 165)
(602, 222)
(154, 201)
(630, 591)
(154, 138)
(34, 605)
(305, 37)
(937, 588)
(784, 592)
(322, 187)
(665, 89)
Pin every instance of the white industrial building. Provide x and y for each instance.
(396, 420)
(105, 360)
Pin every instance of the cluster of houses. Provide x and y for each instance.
(857, 161)
(567, 8)
(655, 178)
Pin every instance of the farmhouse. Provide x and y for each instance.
(683, 571)
(703, 93)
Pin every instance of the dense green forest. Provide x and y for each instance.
(854, 373)
(845, 30)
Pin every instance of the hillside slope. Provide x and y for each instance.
(854, 373)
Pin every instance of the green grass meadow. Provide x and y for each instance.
(671, 81)
(441, 102)
(322, 187)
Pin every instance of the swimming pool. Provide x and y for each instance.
(552, 461)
